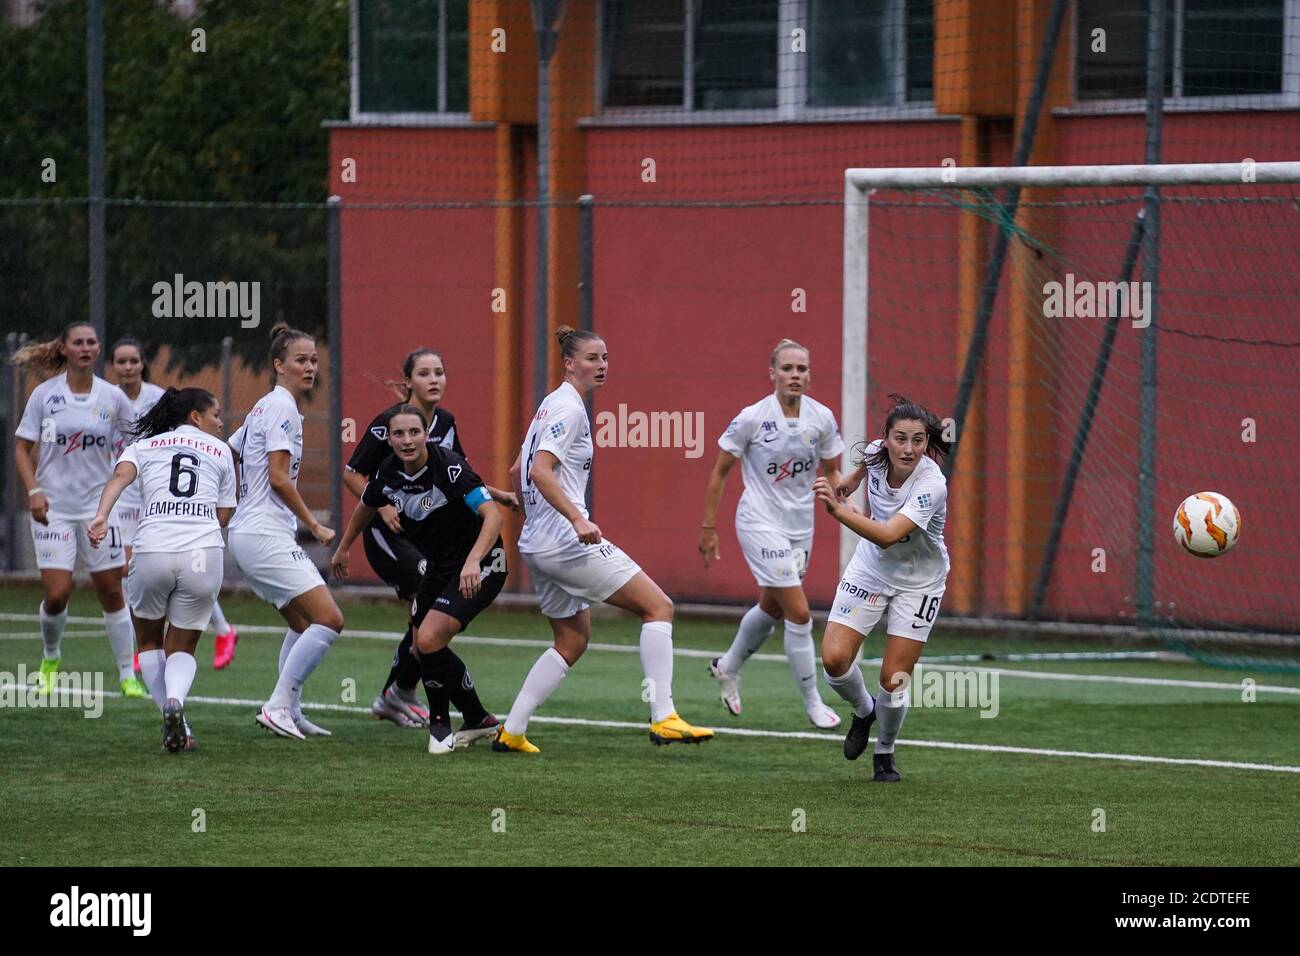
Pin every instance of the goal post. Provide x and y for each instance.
(1236, 228)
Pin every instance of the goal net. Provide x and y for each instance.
(1103, 341)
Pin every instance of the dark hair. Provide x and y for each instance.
(135, 344)
(171, 410)
(406, 408)
(571, 339)
(281, 337)
(43, 359)
(408, 366)
(904, 409)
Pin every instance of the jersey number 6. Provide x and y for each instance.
(180, 472)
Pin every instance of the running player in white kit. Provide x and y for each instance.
(187, 480)
(781, 442)
(900, 567)
(72, 430)
(261, 535)
(570, 561)
(126, 358)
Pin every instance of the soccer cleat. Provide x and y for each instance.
(730, 686)
(173, 716)
(406, 701)
(673, 730)
(886, 772)
(223, 651)
(441, 739)
(47, 675)
(467, 735)
(191, 744)
(823, 717)
(856, 740)
(387, 706)
(504, 743)
(279, 722)
(135, 665)
(308, 729)
(134, 687)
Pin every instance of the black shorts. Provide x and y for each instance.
(398, 562)
(441, 592)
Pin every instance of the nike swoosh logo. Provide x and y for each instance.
(918, 625)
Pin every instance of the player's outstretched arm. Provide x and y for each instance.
(361, 516)
(884, 534)
(122, 476)
(708, 546)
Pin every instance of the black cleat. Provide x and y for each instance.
(856, 740)
(886, 772)
(173, 715)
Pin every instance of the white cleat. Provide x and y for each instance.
(730, 686)
(441, 739)
(308, 729)
(823, 717)
(279, 722)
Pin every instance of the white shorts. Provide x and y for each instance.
(911, 613)
(571, 580)
(776, 560)
(275, 567)
(60, 542)
(181, 586)
(128, 519)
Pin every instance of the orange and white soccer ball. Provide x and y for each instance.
(1207, 524)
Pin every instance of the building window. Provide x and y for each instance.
(744, 55)
(1213, 48)
(412, 56)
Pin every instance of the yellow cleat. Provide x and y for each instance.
(507, 742)
(673, 730)
(48, 675)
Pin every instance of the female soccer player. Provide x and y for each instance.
(395, 559)
(132, 373)
(901, 565)
(72, 429)
(261, 535)
(449, 515)
(571, 562)
(187, 480)
(781, 440)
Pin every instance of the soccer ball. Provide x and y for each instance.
(1207, 524)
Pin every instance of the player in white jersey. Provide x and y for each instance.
(186, 476)
(781, 442)
(71, 431)
(262, 534)
(570, 560)
(900, 567)
(132, 373)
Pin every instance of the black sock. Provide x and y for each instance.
(405, 672)
(446, 673)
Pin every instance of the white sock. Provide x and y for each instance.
(802, 658)
(852, 688)
(152, 667)
(290, 638)
(219, 623)
(755, 627)
(181, 668)
(52, 626)
(891, 708)
(307, 653)
(121, 637)
(541, 682)
(657, 663)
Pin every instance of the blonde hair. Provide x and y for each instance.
(43, 359)
(788, 344)
(571, 339)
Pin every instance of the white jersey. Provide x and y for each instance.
(561, 427)
(919, 561)
(778, 462)
(274, 424)
(147, 399)
(78, 437)
(185, 476)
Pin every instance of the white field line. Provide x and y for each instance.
(708, 655)
(773, 734)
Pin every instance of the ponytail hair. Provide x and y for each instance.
(571, 339)
(282, 334)
(903, 409)
(172, 410)
(43, 359)
(135, 344)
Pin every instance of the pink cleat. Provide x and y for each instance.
(224, 652)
